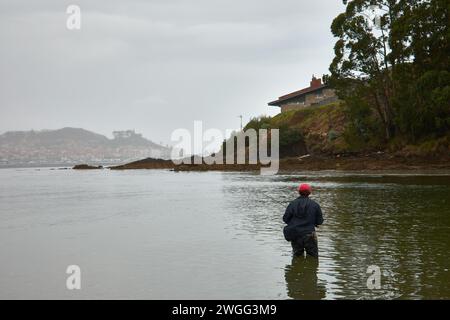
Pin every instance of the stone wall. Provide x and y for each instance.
(326, 96)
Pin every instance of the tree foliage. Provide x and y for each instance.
(392, 66)
(287, 135)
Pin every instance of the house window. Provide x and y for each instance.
(301, 100)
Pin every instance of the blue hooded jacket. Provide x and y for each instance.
(302, 216)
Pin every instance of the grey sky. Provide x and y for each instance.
(156, 65)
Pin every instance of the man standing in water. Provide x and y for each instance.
(302, 216)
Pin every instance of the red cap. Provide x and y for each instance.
(305, 188)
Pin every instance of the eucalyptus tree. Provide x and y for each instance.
(392, 66)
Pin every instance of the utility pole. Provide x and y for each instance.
(241, 121)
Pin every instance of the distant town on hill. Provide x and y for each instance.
(69, 146)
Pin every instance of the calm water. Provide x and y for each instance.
(166, 235)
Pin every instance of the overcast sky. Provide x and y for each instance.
(156, 65)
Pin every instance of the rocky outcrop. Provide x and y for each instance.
(86, 167)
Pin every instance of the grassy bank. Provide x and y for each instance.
(327, 131)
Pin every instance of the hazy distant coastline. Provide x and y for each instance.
(70, 146)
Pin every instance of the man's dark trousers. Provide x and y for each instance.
(306, 243)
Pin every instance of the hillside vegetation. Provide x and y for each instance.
(392, 69)
(327, 131)
(312, 130)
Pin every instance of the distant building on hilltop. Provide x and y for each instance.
(125, 134)
(316, 94)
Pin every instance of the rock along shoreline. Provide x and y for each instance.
(370, 162)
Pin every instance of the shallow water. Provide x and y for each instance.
(164, 235)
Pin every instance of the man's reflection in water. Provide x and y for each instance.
(301, 279)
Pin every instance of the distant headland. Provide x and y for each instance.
(70, 146)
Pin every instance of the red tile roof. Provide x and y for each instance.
(296, 94)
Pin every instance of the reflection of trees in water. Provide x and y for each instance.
(402, 225)
(363, 215)
(301, 279)
(394, 227)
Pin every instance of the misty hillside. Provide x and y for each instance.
(73, 145)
